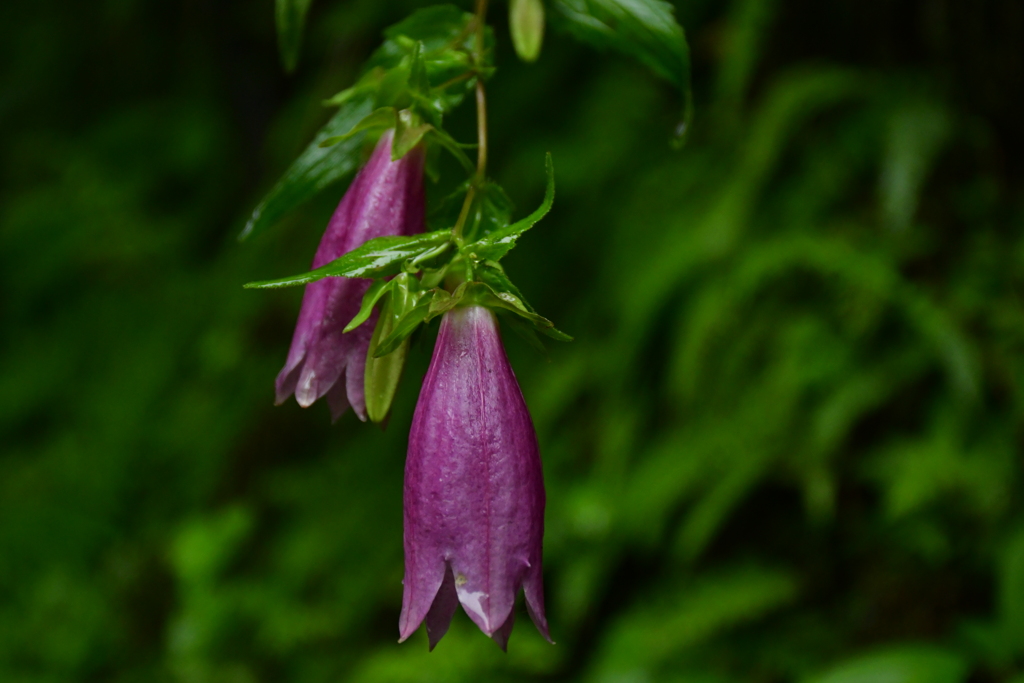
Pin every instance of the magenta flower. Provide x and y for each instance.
(474, 492)
(386, 198)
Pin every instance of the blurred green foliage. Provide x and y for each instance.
(786, 445)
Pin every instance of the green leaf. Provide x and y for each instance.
(436, 27)
(385, 117)
(291, 19)
(383, 372)
(526, 22)
(366, 85)
(644, 29)
(902, 664)
(1011, 589)
(441, 37)
(492, 211)
(495, 245)
(493, 275)
(315, 169)
(684, 619)
(378, 289)
(377, 258)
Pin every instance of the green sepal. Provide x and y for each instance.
(408, 134)
(378, 289)
(385, 117)
(383, 372)
(405, 326)
(377, 258)
(495, 245)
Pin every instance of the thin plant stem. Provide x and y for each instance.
(481, 97)
(481, 120)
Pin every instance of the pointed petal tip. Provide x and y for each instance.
(537, 615)
(442, 609)
(501, 634)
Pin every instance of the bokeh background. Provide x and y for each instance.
(786, 444)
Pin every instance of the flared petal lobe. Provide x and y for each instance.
(474, 490)
(385, 198)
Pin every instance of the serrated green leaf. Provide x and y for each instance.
(383, 372)
(492, 211)
(495, 245)
(483, 294)
(315, 169)
(370, 299)
(291, 20)
(644, 29)
(377, 258)
(493, 275)
(526, 23)
(385, 117)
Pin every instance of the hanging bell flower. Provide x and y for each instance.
(474, 491)
(386, 198)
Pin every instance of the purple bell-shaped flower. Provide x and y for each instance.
(386, 198)
(474, 490)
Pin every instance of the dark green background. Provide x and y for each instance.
(785, 445)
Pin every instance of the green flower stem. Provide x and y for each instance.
(481, 98)
(481, 119)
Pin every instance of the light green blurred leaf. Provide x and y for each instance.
(1011, 590)
(900, 664)
(916, 133)
(692, 613)
(204, 546)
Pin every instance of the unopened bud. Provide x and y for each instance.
(526, 21)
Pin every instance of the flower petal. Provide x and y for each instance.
(439, 618)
